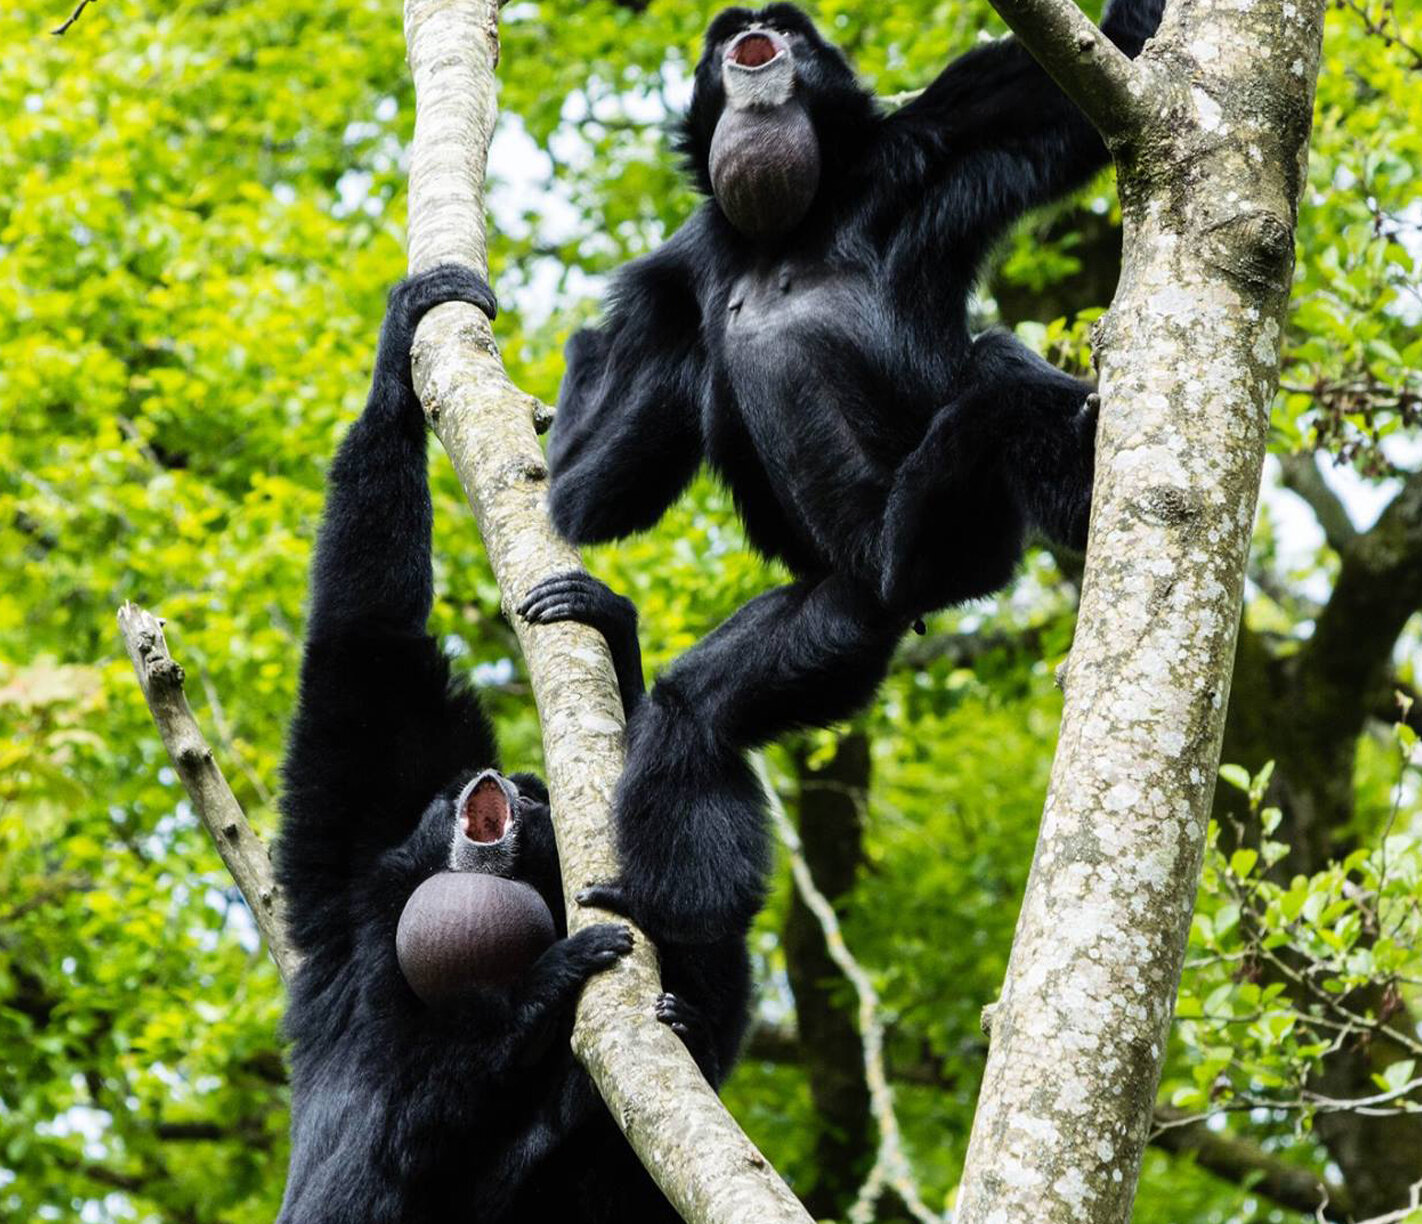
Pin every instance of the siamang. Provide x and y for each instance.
(475, 1110)
(805, 332)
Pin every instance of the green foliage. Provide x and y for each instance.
(200, 210)
(1284, 972)
(1353, 352)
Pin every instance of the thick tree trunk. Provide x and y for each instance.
(1209, 128)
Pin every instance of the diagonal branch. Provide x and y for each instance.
(690, 1144)
(1091, 70)
(246, 858)
(1300, 475)
(1345, 663)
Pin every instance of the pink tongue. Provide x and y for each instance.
(754, 51)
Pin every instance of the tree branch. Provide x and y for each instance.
(699, 1157)
(1091, 70)
(1379, 587)
(829, 806)
(1300, 475)
(63, 28)
(246, 858)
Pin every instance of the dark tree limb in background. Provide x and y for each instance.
(243, 853)
(1305, 711)
(829, 806)
(703, 1162)
(890, 1175)
(1245, 1163)
(1300, 475)
(1210, 138)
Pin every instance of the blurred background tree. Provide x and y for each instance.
(200, 211)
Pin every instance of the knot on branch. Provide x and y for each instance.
(1256, 246)
(164, 671)
(191, 753)
(1170, 505)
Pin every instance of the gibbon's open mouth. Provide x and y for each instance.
(486, 808)
(754, 49)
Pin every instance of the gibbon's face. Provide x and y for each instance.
(756, 85)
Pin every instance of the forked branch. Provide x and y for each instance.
(1091, 70)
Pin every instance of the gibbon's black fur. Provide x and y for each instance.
(475, 1111)
(815, 352)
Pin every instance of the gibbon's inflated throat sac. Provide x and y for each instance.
(765, 157)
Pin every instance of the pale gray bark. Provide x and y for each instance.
(703, 1162)
(246, 858)
(1210, 135)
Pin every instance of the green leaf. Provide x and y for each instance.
(1237, 776)
(1397, 1075)
(1242, 861)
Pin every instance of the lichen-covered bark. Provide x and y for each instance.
(1211, 163)
(707, 1167)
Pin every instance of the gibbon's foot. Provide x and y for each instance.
(610, 897)
(688, 1023)
(677, 1014)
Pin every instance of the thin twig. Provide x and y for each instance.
(1378, 27)
(73, 17)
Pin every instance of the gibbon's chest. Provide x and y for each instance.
(805, 352)
(772, 312)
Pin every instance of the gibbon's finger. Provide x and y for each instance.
(552, 586)
(547, 614)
